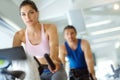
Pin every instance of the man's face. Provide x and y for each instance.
(69, 35)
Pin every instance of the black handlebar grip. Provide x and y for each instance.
(50, 62)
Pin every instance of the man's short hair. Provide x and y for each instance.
(70, 27)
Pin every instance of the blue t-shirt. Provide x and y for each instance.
(76, 57)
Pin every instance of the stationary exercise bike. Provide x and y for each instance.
(6, 58)
(6, 74)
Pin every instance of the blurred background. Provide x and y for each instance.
(98, 21)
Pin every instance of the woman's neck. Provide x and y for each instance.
(34, 28)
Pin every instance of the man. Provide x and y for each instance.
(79, 55)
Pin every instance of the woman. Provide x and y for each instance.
(39, 39)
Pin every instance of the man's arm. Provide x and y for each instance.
(88, 57)
(62, 54)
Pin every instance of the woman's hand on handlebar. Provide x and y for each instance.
(57, 67)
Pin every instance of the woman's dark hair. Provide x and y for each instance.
(29, 2)
(70, 27)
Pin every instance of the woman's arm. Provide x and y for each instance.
(17, 40)
(54, 44)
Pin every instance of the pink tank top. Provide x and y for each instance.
(40, 49)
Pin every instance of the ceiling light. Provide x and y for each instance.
(99, 45)
(116, 6)
(98, 23)
(105, 39)
(105, 31)
(117, 45)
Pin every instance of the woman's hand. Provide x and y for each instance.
(57, 67)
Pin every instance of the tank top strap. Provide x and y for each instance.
(79, 43)
(42, 31)
(26, 35)
(67, 46)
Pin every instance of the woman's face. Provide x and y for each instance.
(29, 15)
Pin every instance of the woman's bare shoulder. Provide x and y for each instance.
(50, 26)
(20, 32)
